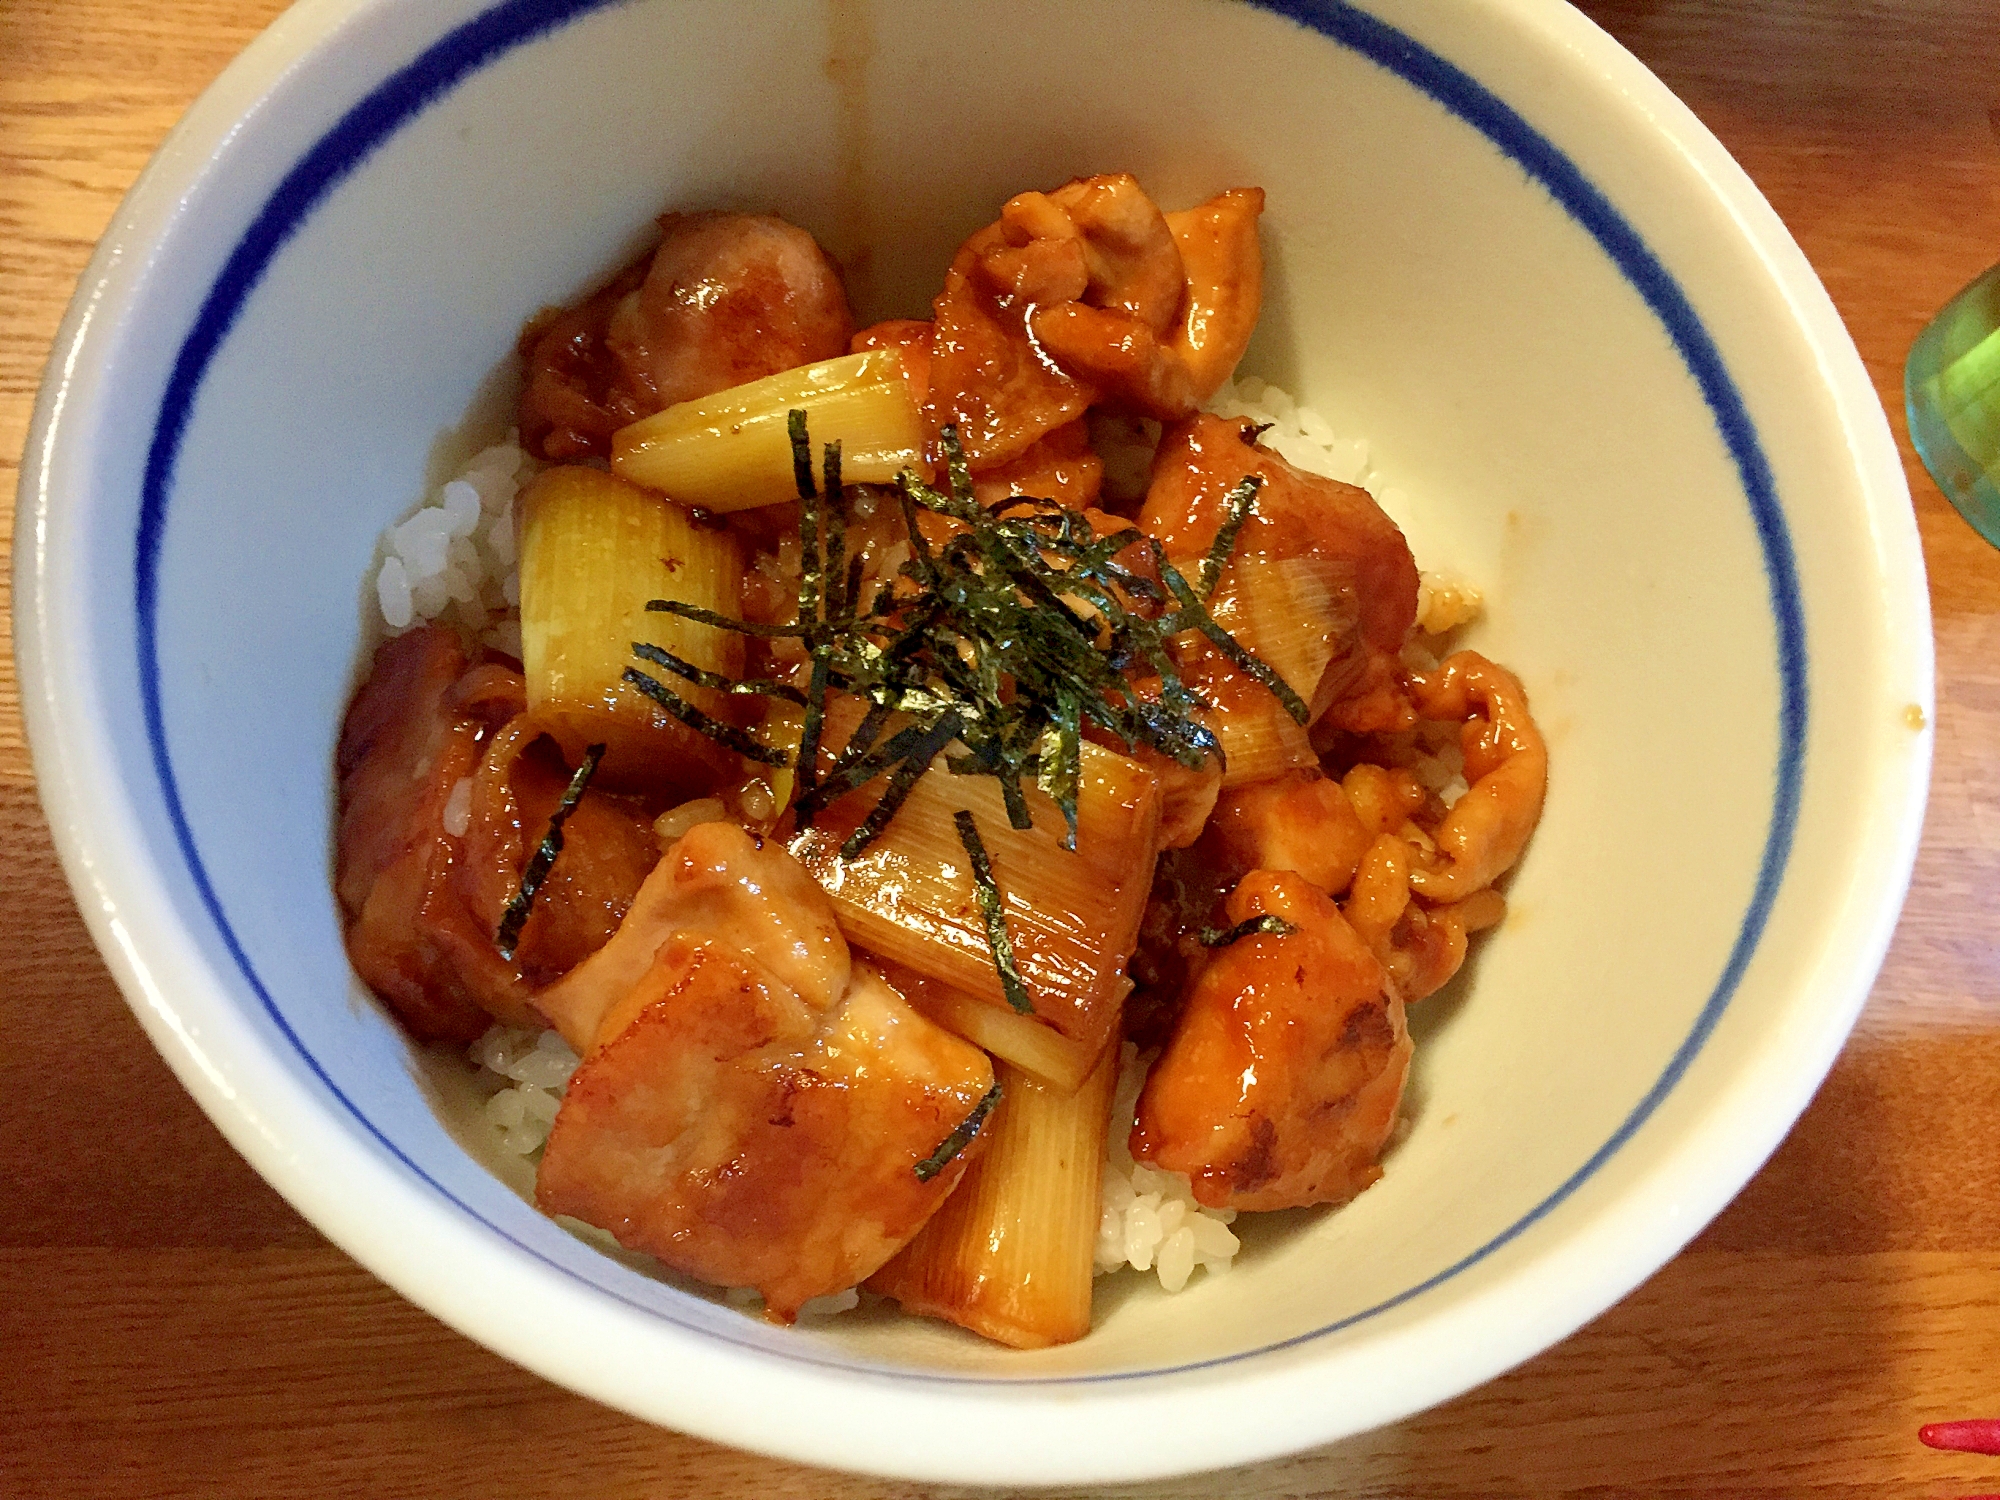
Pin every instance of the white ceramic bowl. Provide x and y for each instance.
(1578, 340)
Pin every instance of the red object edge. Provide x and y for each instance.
(1978, 1436)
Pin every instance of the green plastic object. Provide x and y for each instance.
(1951, 388)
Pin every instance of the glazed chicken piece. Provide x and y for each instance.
(754, 1111)
(1114, 331)
(1172, 298)
(1225, 284)
(986, 376)
(574, 396)
(717, 882)
(1506, 762)
(1133, 263)
(1201, 461)
(1060, 466)
(726, 298)
(1302, 821)
(1421, 946)
(730, 298)
(608, 850)
(1281, 1080)
(1357, 836)
(440, 809)
(1132, 369)
(1073, 298)
(1090, 294)
(403, 747)
(1426, 881)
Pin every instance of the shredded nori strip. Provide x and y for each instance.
(1059, 767)
(904, 779)
(812, 606)
(806, 775)
(833, 566)
(1194, 615)
(949, 1148)
(1220, 937)
(544, 857)
(702, 616)
(920, 548)
(1236, 510)
(809, 553)
(959, 470)
(723, 734)
(802, 455)
(762, 687)
(866, 733)
(987, 890)
(1019, 637)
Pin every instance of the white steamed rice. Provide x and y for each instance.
(1148, 1219)
(523, 1072)
(453, 561)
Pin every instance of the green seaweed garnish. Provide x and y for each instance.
(833, 565)
(1000, 648)
(702, 616)
(949, 1148)
(1266, 925)
(811, 608)
(745, 745)
(761, 687)
(1059, 766)
(544, 858)
(1236, 510)
(987, 890)
(902, 780)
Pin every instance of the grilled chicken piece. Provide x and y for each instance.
(1281, 1081)
(726, 298)
(608, 850)
(1225, 284)
(1302, 821)
(752, 1108)
(1201, 461)
(717, 882)
(423, 902)
(403, 748)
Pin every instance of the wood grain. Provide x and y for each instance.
(171, 1328)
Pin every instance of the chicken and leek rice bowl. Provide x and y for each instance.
(948, 808)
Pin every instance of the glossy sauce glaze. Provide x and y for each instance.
(756, 1103)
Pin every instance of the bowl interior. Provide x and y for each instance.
(1535, 313)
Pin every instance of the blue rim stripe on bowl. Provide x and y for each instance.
(462, 52)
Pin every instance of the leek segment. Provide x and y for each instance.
(1072, 917)
(1294, 614)
(1010, 1255)
(594, 550)
(731, 451)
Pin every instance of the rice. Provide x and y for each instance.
(527, 1070)
(1445, 601)
(1298, 434)
(1148, 1219)
(452, 560)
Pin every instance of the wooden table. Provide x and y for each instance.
(169, 1327)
